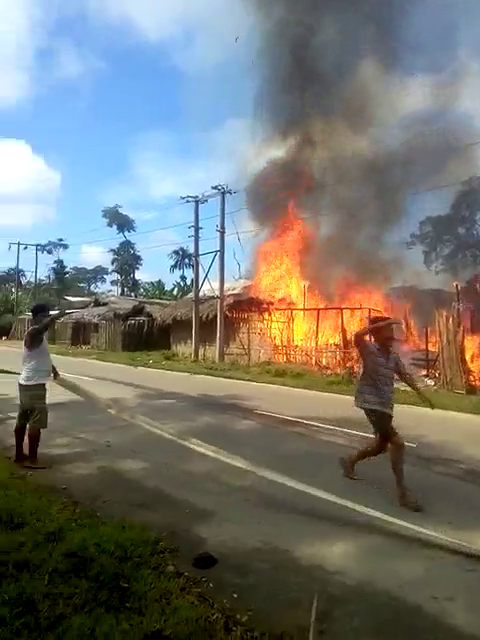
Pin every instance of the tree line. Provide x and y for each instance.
(450, 242)
(121, 277)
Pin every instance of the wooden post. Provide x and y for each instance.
(317, 329)
(427, 353)
(292, 336)
(344, 340)
(196, 281)
(220, 346)
(457, 295)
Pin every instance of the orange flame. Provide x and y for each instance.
(303, 326)
(472, 355)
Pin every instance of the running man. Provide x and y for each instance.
(37, 368)
(375, 393)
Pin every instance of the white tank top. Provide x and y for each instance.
(37, 365)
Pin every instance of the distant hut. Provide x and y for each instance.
(114, 323)
(245, 340)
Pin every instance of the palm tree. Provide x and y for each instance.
(182, 287)
(155, 290)
(182, 260)
(121, 222)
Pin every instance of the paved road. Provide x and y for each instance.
(279, 542)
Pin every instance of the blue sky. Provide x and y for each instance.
(136, 103)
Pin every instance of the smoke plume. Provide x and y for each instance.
(365, 96)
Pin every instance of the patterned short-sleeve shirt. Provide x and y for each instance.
(375, 389)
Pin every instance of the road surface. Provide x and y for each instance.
(200, 464)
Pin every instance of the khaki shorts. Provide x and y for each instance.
(32, 411)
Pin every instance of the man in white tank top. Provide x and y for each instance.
(32, 387)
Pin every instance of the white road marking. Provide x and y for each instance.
(262, 472)
(321, 425)
(240, 463)
(313, 618)
(73, 375)
(318, 425)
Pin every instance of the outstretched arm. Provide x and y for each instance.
(409, 380)
(35, 334)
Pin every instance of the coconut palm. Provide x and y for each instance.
(182, 260)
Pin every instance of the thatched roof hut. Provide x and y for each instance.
(182, 310)
(107, 308)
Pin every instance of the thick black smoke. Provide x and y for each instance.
(365, 93)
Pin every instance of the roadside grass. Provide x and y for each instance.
(66, 574)
(271, 373)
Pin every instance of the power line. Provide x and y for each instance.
(156, 230)
(175, 243)
(244, 208)
(185, 224)
(170, 207)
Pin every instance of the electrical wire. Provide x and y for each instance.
(170, 207)
(236, 233)
(244, 208)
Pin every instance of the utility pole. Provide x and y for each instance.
(17, 274)
(197, 201)
(223, 190)
(38, 246)
(35, 277)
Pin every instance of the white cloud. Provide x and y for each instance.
(197, 33)
(164, 166)
(29, 188)
(31, 50)
(92, 255)
(36, 46)
(22, 28)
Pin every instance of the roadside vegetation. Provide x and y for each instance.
(66, 574)
(270, 373)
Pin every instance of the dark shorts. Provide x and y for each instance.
(32, 410)
(382, 424)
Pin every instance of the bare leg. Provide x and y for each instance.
(349, 464)
(20, 431)
(33, 443)
(397, 453)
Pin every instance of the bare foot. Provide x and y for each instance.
(33, 464)
(348, 469)
(407, 502)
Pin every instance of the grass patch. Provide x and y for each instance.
(66, 574)
(8, 372)
(285, 375)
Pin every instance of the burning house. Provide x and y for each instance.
(359, 125)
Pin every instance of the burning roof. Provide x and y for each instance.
(367, 107)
